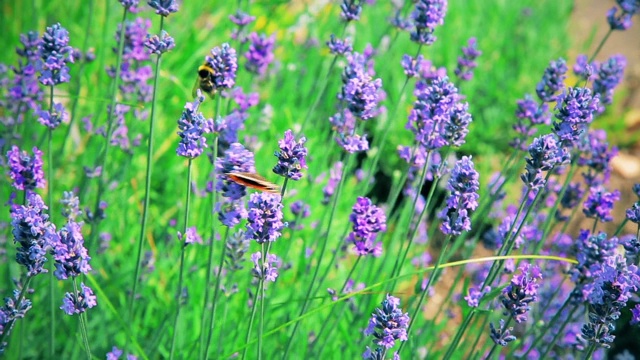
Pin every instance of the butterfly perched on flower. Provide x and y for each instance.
(254, 181)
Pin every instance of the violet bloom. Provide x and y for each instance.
(193, 125)
(260, 53)
(241, 18)
(463, 199)
(544, 154)
(622, 21)
(33, 232)
(582, 68)
(236, 159)
(522, 291)
(291, 157)
(596, 156)
(590, 251)
(339, 47)
(368, 220)
(437, 119)
(77, 303)
(164, 7)
(635, 315)
(529, 113)
(608, 76)
(426, 16)
(52, 119)
(224, 63)
(467, 62)
(190, 236)
(159, 44)
(576, 108)
(134, 72)
(351, 10)
(360, 92)
(401, 23)
(237, 246)
(388, 324)
(268, 270)
(70, 255)
(15, 307)
(264, 222)
(335, 175)
(552, 80)
(71, 206)
(500, 335)
(412, 66)
(633, 213)
(474, 296)
(25, 88)
(130, 5)
(599, 204)
(26, 170)
(55, 53)
(614, 285)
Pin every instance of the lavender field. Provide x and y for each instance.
(315, 179)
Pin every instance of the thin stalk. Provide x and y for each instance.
(262, 301)
(546, 328)
(323, 248)
(555, 338)
(85, 45)
(181, 274)
(430, 283)
(495, 345)
(83, 325)
(9, 326)
(52, 278)
(254, 308)
(216, 291)
(321, 93)
(147, 186)
(604, 40)
(102, 179)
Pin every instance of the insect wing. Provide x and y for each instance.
(253, 181)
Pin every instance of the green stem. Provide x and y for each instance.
(319, 97)
(216, 291)
(9, 326)
(83, 325)
(181, 274)
(147, 186)
(323, 248)
(52, 278)
(254, 308)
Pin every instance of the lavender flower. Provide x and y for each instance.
(368, 220)
(529, 113)
(236, 159)
(130, 5)
(70, 255)
(475, 295)
(77, 303)
(25, 170)
(335, 175)
(544, 154)
(467, 62)
(190, 236)
(575, 107)
(596, 156)
(552, 80)
(633, 213)
(388, 323)
(268, 270)
(412, 66)
(437, 119)
(521, 292)
(54, 118)
(591, 250)
(582, 68)
(426, 16)
(608, 76)
(159, 44)
(291, 157)
(164, 7)
(623, 21)
(501, 336)
(300, 209)
(193, 125)
(224, 63)
(71, 206)
(33, 232)
(260, 53)
(232, 211)
(237, 246)
(599, 204)
(351, 10)
(635, 318)
(339, 47)
(463, 199)
(241, 18)
(360, 92)
(55, 53)
(14, 308)
(265, 218)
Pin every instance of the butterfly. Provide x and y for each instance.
(253, 181)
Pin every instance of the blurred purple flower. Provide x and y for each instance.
(474, 296)
(501, 336)
(368, 220)
(552, 80)
(350, 10)
(192, 125)
(54, 53)
(426, 16)
(264, 221)
(159, 44)
(33, 232)
(260, 53)
(463, 199)
(26, 170)
(190, 236)
(467, 62)
(596, 156)
(545, 153)
(599, 204)
(609, 74)
(339, 47)
(241, 18)
(164, 7)
(269, 268)
(237, 246)
(54, 118)
(77, 303)
(582, 68)
(335, 175)
(623, 20)
(291, 157)
(412, 66)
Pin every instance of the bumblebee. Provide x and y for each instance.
(204, 81)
